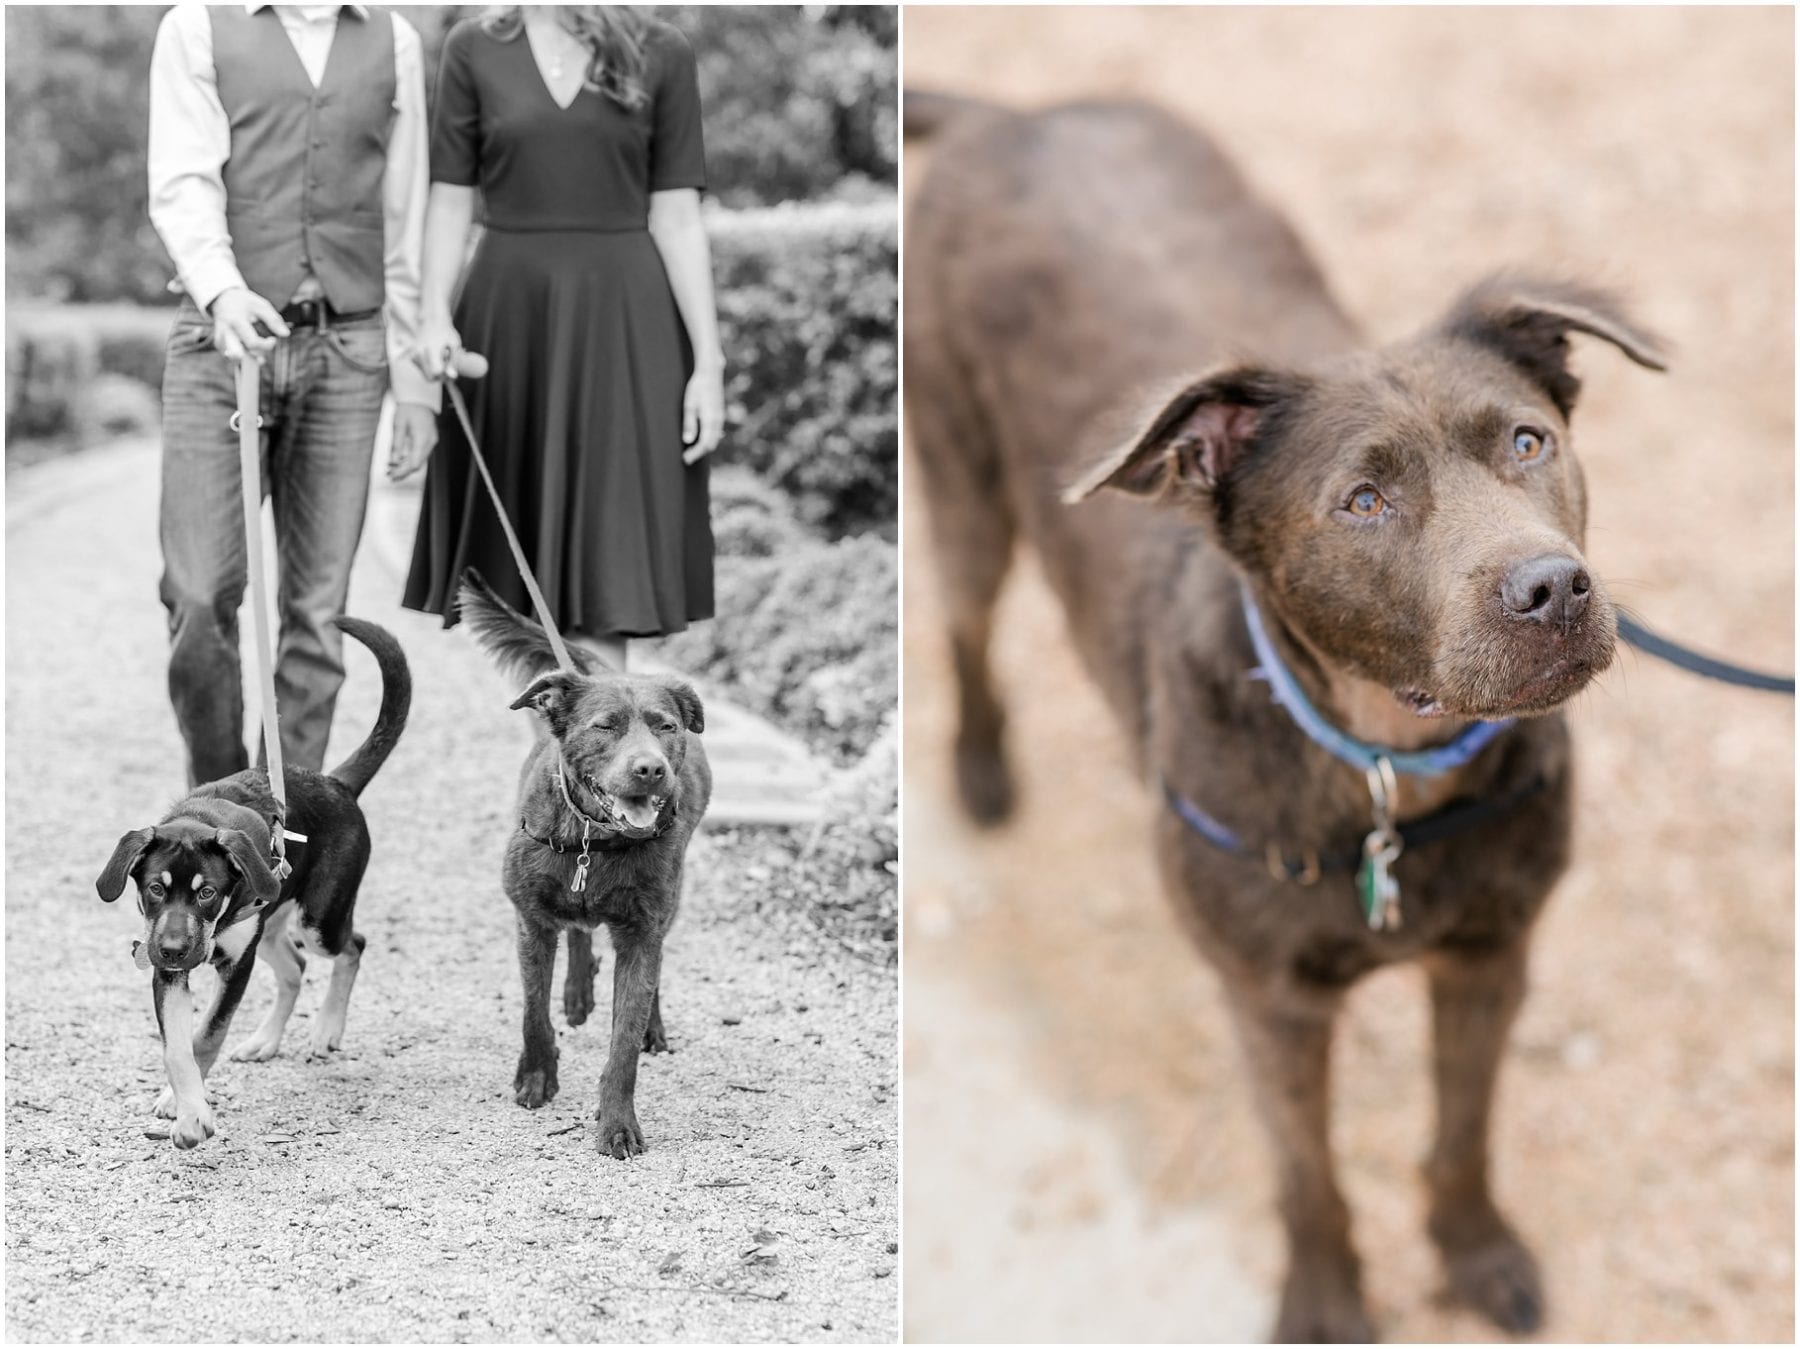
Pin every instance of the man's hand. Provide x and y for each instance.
(415, 436)
(235, 314)
(703, 413)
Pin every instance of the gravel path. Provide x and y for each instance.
(395, 1192)
(1646, 1120)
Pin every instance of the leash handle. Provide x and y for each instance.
(474, 366)
(249, 429)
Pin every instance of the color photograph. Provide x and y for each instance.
(1308, 411)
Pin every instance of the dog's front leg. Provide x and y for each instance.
(1287, 1039)
(1474, 999)
(233, 980)
(637, 969)
(534, 1084)
(578, 980)
(175, 1020)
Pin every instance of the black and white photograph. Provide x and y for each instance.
(451, 673)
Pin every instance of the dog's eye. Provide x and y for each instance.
(1529, 445)
(154, 890)
(1367, 503)
(208, 894)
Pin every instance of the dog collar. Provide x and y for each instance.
(594, 833)
(1359, 754)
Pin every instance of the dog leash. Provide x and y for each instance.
(1707, 667)
(247, 422)
(469, 365)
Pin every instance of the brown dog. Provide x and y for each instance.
(610, 795)
(1401, 525)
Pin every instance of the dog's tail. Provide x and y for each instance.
(396, 701)
(925, 112)
(517, 643)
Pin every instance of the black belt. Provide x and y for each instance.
(320, 314)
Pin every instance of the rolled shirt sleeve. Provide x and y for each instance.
(190, 140)
(403, 190)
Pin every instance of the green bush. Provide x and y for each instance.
(68, 368)
(807, 635)
(808, 299)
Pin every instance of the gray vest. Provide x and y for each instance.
(303, 182)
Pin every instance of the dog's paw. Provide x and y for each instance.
(984, 783)
(578, 999)
(166, 1107)
(620, 1136)
(655, 1042)
(1500, 1279)
(192, 1127)
(535, 1084)
(325, 1039)
(259, 1048)
(1322, 1304)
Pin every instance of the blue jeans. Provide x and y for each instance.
(321, 400)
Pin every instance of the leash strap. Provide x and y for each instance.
(248, 421)
(512, 539)
(1694, 663)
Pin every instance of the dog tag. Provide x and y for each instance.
(140, 955)
(1376, 887)
(581, 868)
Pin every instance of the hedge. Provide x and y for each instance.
(808, 299)
(807, 307)
(807, 628)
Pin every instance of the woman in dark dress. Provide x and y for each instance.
(591, 297)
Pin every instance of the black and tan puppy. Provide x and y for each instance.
(1402, 526)
(208, 893)
(608, 799)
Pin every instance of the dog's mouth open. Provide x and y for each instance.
(630, 814)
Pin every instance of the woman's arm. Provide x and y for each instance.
(680, 236)
(449, 210)
(449, 213)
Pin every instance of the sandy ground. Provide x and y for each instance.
(396, 1192)
(1101, 1143)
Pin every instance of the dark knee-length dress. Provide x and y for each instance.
(580, 412)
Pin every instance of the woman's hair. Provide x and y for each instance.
(613, 34)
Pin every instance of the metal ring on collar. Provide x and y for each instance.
(1309, 870)
(237, 421)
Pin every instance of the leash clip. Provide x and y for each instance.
(1376, 886)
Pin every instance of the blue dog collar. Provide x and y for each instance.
(1285, 690)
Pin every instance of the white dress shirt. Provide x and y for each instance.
(190, 140)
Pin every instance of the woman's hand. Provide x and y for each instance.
(438, 347)
(703, 413)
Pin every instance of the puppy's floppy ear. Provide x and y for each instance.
(247, 860)
(548, 694)
(1528, 321)
(1200, 435)
(693, 715)
(124, 861)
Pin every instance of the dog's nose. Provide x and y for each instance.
(1548, 589)
(650, 771)
(172, 945)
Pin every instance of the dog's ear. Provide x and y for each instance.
(548, 694)
(1197, 438)
(247, 860)
(693, 715)
(1529, 321)
(124, 861)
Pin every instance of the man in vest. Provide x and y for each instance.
(287, 179)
